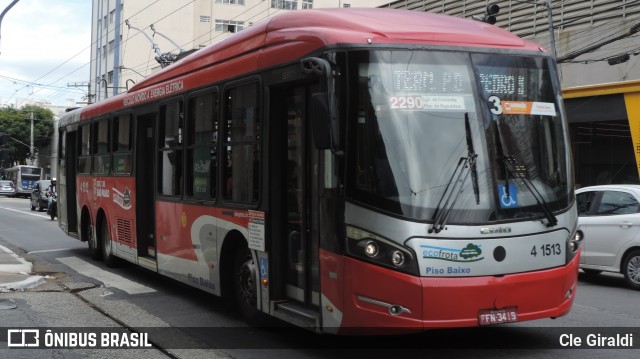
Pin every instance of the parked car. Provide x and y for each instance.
(609, 218)
(7, 188)
(39, 198)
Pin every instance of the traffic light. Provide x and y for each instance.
(490, 16)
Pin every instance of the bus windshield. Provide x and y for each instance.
(477, 135)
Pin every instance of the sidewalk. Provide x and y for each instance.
(15, 272)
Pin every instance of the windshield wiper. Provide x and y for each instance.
(454, 187)
(472, 156)
(513, 167)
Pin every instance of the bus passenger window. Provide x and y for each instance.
(101, 156)
(242, 144)
(122, 158)
(202, 141)
(84, 149)
(170, 148)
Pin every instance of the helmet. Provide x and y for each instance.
(53, 179)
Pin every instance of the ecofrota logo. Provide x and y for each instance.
(470, 253)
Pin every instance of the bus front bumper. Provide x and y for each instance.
(379, 298)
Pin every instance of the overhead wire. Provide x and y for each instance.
(144, 66)
(34, 82)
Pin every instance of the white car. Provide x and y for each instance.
(609, 218)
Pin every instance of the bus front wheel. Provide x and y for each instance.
(245, 286)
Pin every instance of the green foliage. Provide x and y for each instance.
(16, 123)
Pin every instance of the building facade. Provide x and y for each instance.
(129, 37)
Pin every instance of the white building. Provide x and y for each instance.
(127, 36)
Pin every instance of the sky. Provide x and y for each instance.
(44, 46)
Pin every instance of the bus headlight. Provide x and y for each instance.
(397, 258)
(380, 251)
(371, 249)
(573, 244)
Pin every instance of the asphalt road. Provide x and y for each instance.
(81, 292)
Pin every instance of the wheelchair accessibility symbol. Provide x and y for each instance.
(508, 200)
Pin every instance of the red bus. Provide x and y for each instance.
(339, 169)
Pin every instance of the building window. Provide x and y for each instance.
(307, 4)
(228, 26)
(111, 16)
(346, 5)
(170, 149)
(242, 145)
(104, 21)
(202, 142)
(104, 51)
(205, 18)
(110, 77)
(237, 2)
(284, 4)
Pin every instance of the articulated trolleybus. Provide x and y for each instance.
(342, 170)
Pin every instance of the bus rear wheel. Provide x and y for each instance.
(245, 286)
(90, 237)
(105, 240)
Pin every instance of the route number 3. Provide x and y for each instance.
(497, 107)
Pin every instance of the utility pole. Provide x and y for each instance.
(31, 150)
(4, 12)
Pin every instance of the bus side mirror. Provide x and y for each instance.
(324, 120)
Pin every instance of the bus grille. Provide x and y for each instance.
(124, 229)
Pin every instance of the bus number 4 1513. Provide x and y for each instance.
(553, 249)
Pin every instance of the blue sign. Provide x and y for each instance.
(264, 268)
(508, 200)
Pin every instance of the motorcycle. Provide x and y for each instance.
(53, 207)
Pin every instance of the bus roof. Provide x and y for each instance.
(291, 35)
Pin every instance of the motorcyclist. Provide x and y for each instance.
(51, 191)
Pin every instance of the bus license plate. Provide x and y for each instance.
(497, 316)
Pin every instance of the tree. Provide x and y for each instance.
(17, 124)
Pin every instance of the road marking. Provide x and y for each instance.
(25, 212)
(109, 279)
(52, 250)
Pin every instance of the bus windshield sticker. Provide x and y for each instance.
(508, 200)
(528, 108)
(423, 102)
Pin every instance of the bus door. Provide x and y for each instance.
(145, 189)
(299, 196)
(67, 209)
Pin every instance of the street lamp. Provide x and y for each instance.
(4, 12)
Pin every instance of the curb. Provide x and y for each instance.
(12, 263)
(15, 272)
